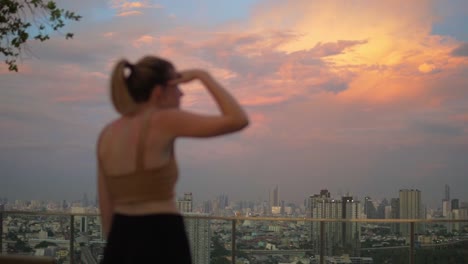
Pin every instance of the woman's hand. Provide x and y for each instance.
(188, 76)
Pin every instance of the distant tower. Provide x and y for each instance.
(85, 200)
(351, 232)
(410, 208)
(447, 193)
(446, 205)
(395, 214)
(207, 207)
(369, 208)
(276, 197)
(185, 204)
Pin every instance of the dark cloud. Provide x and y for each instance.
(246, 54)
(335, 86)
(461, 51)
(438, 128)
(334, 48)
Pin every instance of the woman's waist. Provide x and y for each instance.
(147, 207)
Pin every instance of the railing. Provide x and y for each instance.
(319, 243)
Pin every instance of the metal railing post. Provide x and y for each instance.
(233, 242)
(1, 231)
(411, 253)
(322, 242)
(72, 239)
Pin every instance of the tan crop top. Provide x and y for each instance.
(143, 185)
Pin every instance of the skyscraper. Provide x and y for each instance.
(369, 208)
(199, 235)
(410, 208)
(276, 196)
(395, 214)
(185, 204)
(447, 193)
(337, 234)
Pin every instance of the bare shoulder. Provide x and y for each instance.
(168, 114)
(103, 134)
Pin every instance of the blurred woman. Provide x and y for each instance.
(136, 160)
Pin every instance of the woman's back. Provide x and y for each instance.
(138, 161)
(119, 144)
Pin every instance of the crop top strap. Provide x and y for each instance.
(140, 151)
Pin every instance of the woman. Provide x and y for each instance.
(136, 160)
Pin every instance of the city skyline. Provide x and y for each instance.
(360, 97)
(187, 200)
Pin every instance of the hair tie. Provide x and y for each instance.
(131, 67)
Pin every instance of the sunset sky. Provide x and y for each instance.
(355, 96)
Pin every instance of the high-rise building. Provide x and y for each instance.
(381, 209)
(199, 235)
(369, 208)
(338, 235)
(447, 193)
(410, 208)
(207, 207)
(273, 201)
(395, 214)
(276, 201)
(446, 208)
(458, 214)
(455, 204)
(185, 204)
(351, 231)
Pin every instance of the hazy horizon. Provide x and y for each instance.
(360, 97)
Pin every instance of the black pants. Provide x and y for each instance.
(147, 239)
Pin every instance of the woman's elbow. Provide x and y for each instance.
(241, 123)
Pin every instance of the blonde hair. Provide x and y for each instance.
(121, 98)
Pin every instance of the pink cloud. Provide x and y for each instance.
(259, 100)
(145, 40)
(259, 125)
(462, 117)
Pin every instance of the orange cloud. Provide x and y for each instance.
(395, 53)
(129, 13)
(427, 67)
(130, 8)
(126, 5)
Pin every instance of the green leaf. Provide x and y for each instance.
(51, 5)
(14, 25)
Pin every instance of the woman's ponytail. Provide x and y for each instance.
(121, 99)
